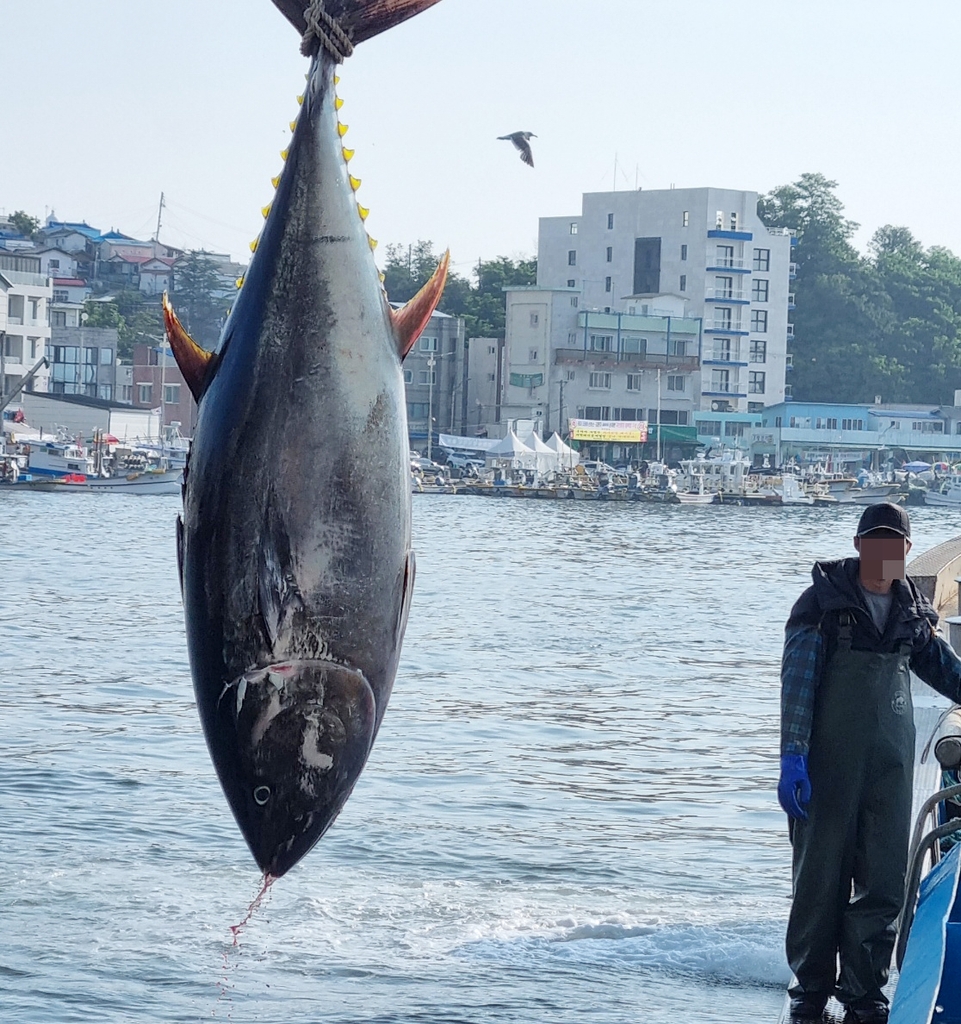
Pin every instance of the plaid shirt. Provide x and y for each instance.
(801, 667)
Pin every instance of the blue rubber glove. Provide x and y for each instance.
(794, 786)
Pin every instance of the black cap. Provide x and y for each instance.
(884, 516)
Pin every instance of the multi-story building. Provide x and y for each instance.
(157, 383)
(480, 412)
(434, 378)
(693, 255)
(83, 361)
(25, 295)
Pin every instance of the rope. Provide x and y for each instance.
(326, 30)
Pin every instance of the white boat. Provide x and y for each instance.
(149, 481)
(947, 493)
(58, 458)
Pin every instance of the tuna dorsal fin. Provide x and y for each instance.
(409, 321)
(191, 358)
(361, 19)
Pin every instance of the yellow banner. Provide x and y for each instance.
(609, 430)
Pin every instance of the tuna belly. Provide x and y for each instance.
(304, 730)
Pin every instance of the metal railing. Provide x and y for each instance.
(724, 325)
(725, 295)
(638, 359)
(725, 263)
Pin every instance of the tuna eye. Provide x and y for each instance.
(261, 795)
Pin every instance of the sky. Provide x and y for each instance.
(108, 103)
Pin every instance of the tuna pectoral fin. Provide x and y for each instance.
(193, 360)
(360, 19)
(411, 320)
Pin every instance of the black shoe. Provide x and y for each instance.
(868, 1012)
(807, 1008)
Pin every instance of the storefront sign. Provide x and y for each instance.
(609, 430)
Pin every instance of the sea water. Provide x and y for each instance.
(569, 814)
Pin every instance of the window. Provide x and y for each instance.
(144, 393)
(492, 350)
(428, 344)
(629, 413)
(54, 265)
(597, 412)
(852, 424)
(725, 255)
(106, 356)
(683, 252)
(572, 257)
(91, 356)
(685, 219)
(427, 377)
(683, 283)
(491, 377)
(572, 339)
(61, 295)
(35, 308)
(758, 352)
(532, 355)
(671, 417)
(15, 309)
(58, 318)
(762, 259)
(709, 428)
(610, 222)
(573, 227)
(755, 407)
(171, 394)
(105, 392)
(734, 221)
(408, 376)
(600, 381)
(574, 301)
(126, 393)
(723, 287)
(13, 347)
(755, 382)
(719, 220)
(632, 345)
(832, 423)
(607, 284)
(535, 319)
(634, 381)
(677, 347)
(571, 283)
(675, 383)
(723, 318)
(418, 410)
(610, 254)
(759, 289)
(759, 321)
(721, 381)
(34, 347)
(602, 342)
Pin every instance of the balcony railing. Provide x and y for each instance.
(724, 355)
(790, 331)
(726, 295)
(725, 263)
(642, 360)
(792, 270)
(790, 301)
(16, 320)
(781, 231)
(725, 325)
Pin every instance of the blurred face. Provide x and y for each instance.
(883, 554)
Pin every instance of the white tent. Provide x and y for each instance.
(568, 458)
(547, 459)
(513, 451)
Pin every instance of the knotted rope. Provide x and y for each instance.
(328, 31)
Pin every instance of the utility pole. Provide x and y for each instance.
(160, 211)
(431, 363)
(658, 414)
(560, 408)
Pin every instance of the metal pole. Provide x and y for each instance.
(430, 365)
(658, 414)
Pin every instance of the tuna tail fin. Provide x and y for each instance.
(360, 19)
(410, 321)
(193, 360)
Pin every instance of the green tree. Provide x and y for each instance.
(198, 297)
(135, 319)
(481, 302)
(28, 226)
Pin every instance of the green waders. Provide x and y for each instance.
(851, 852)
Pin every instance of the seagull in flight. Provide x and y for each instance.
(520, 140)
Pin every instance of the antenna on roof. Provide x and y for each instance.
(160, 211)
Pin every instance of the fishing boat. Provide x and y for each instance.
(948, 492)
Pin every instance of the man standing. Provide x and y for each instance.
(847, 762)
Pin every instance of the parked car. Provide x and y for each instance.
(424, 465)
(460, 460)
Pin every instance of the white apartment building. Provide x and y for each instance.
(25, 296)
(686, 285)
